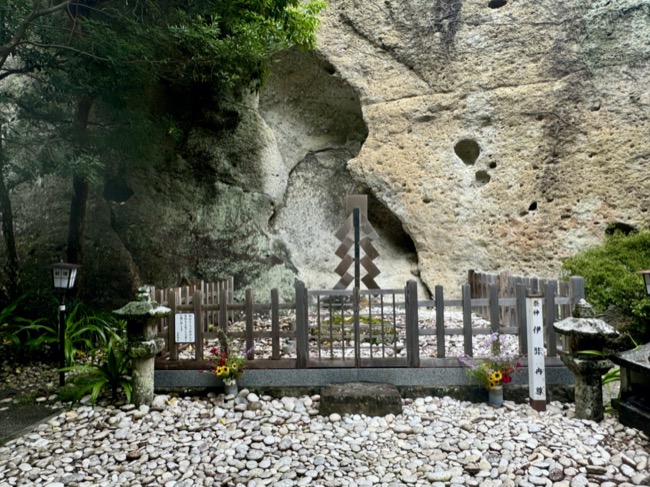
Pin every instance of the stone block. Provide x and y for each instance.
(371, 399)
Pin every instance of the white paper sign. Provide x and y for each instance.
(185, 332)
(536, 366)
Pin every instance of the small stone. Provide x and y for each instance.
(579, 481)
(159, 403)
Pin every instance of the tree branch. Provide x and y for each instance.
(7, 49)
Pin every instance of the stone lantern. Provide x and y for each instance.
(142, 342)
(587, 335)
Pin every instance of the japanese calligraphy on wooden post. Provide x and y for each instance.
(357, 205)
(536, 367)
(184, 329)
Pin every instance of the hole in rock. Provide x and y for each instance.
(533, 206)
(493, 165)
(468, 151)
(497, 3)
(482, 177)
(116, 189)
(624, 228)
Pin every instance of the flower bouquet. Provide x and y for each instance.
(230, 365)
(494, 369)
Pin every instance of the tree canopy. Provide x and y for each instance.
(89, 66)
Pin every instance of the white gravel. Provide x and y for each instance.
(248, 440)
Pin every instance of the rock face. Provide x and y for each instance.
(489, 135)
(504, 135)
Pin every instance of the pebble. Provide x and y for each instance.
(252, 440)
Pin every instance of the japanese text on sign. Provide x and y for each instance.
(536, 365)
(184, 328)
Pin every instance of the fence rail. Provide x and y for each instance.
(310, 332)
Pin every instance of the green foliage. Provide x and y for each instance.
(14, 328)
(229, 42)
(86, 331)
(113, 371)
(611, 279)
(77, 386)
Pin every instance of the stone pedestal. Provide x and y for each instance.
(142, 343)
(589, 385)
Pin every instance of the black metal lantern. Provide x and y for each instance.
(63, 278)
(63, 275)
(646, 280)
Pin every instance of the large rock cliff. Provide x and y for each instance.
(488, 134)
(504, 134)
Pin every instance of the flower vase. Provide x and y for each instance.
(230, 387)
(495, 396)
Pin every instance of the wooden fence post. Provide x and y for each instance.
(230, 287)
(471, 280)
(577, 290)
(248, 311)
(275, 324)
(223, 311)
(440, 321)
(302, 343)
(467, 321)
(171, 332)
(522, 314)
(494, 307)
(412, 325)
(198, 326)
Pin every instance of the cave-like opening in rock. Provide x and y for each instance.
(497, 3)
(317, 120)
(482, 177)
(116, 189)
(468, 151)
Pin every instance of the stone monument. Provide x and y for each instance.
(586, 358)
(142, 342)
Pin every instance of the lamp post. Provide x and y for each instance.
(63, 277)
(646, 280)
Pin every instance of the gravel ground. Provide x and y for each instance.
(248, 440)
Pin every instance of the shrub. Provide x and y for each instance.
(611, 279)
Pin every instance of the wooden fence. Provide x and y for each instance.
(310, 322)
(481, 282)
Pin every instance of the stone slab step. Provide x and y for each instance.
(371, 399)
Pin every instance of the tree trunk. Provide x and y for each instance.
(11, 267)
(80, 189)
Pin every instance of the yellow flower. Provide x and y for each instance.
(221, 370)
(496, 376)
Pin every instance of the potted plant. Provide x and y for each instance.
(494, 369)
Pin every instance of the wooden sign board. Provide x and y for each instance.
(536, 365)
